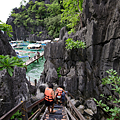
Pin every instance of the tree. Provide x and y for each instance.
(72, 13)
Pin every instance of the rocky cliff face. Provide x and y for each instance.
(82, 70)
(22, 33)
(5, 47)
(13, 89)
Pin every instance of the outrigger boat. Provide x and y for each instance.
(43, 43)
(18, 42)
(18, 47)
(34, 47)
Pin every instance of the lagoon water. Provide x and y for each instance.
(35, 69)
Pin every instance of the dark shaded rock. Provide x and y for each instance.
(77, 104)
(42, 88)
(21, 32)
(5, 47)
(13, 89)
(91, 105)
(62, 33)
(82, 70)
(32, 90)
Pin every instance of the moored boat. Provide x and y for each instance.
(18, 47)
(34, 47)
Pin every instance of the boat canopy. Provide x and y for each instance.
(44, 41)
(22, 56)
(56, 39)
(34, 45)
(12, 42)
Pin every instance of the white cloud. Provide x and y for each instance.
(6, 7)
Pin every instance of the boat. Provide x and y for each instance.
(56, 39)
(18, 42)
(18, 47)
(43, 43)
(14, 45)
(21, 43)
(19, 56)
(34, 47)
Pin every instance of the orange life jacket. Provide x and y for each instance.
(48, 95)
(59, 91)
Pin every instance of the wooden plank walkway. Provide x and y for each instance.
(58, 115)
(33, 59)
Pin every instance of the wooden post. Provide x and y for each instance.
(26, 68)
(35, 82)
(37, 60)
(24, 112)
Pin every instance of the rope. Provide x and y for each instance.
(24, 110)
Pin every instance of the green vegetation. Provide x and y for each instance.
(52, 17)
(74, 44)
(39, 33)
(58, 72)
(8, 63)
(54, 25)
(114, 81)
(17, 115)
(49, 15)
(7, 28)
(72, 13)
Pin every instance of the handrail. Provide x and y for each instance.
(38, 112)
(71, 95)
(12, 111)
(21, 106)
(75, 109)
(34, 104)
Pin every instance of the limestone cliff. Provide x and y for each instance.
(13, 89)
(22, 32)
(5, 47)
(82, 70)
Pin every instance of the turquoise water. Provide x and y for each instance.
(35, 69)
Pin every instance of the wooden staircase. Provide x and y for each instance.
(59, 114)
(68, 112)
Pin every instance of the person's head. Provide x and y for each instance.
(61, 86)
(51, 85)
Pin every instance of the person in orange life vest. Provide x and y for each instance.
(58, 92)
(49, 97)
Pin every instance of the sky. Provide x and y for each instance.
(6, 7)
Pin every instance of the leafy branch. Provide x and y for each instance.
(58, 72)
(7, 28)
(74, 44)
(8, 63)
(114, 81)
(71, 13)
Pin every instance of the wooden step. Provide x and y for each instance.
(58, 115)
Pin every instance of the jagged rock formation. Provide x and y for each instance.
(5, 47)
(87, 67)
(21, 33)
(13, 89)
(82, 70)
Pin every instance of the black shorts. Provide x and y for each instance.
(47, 103)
